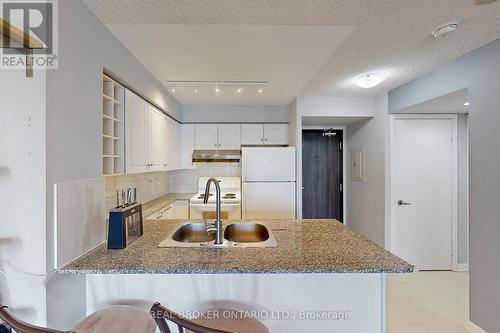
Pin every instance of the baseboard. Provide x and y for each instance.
(463, 267)
(473, 328)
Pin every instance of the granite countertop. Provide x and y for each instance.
(152, 206)
(304, 246)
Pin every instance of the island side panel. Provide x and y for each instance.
(282, 301)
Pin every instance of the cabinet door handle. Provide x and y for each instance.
(265, 139)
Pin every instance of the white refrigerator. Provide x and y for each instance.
(268, 182)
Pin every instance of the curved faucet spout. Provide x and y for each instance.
(218, 221)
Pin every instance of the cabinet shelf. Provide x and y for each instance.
(113, 127)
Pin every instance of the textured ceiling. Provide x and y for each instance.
(392, 36)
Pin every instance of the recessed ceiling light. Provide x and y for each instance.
(217, 90)
(369, 80)
(173, 90)
(445, 29)
(260, 91)
(466, 104)
(195, 90)
(239, 90)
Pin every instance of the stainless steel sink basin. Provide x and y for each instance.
(193, 233)
(236, 235)
(246, 233)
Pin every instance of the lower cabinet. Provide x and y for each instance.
(177, 210)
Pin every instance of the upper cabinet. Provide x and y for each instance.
(152, 138)
(275, 134)
(229, 136)
(187, 146)
(173, 138)
(158, 139)
(252, 134)
(136, 132)
(206, 136)
(217, 136)
(264, 134)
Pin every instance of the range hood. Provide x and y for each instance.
(216, 155)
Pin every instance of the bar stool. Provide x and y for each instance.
(113, 319)
(217, 323)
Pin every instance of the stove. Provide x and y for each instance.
(230, 199)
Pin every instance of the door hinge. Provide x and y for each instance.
(341, 187)
(341, 145)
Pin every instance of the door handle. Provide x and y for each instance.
(402, 203)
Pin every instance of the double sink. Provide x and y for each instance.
(240, 234)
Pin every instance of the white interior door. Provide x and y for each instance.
(423, 190)
(268, 200)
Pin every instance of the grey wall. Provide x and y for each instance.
(74, 112)
(478, 71)
(366, 200)
(224, 113)
(22, 193)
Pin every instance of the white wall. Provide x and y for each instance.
(366, 200)
(236, 114)
(22, 193)
(479, 72)
(74, 122)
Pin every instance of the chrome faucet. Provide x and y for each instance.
(218, 221)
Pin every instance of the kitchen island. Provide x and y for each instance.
(322, 276)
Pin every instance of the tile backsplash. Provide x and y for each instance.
(149, 186)
(186, 181)
(81, 218)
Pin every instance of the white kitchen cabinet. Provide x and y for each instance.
(229, 136)
(275, 134)
(158, 139)
(206, 136)
(177, 210)
(264, 134)
(137, 138)
(252, 134)
(181, 210)
(152, 138)
(173, 144)
(187, 146)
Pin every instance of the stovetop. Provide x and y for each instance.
(226, 197)
(230, 191)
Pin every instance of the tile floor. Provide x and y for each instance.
(430, 302)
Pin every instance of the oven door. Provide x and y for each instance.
(207, 211)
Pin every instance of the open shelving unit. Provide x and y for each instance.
(113, 127)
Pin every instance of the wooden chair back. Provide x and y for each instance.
(20, 326)
(162, 315)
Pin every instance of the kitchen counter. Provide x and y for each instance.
(304, 246)
(152, 206)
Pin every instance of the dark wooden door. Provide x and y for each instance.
(322, 175)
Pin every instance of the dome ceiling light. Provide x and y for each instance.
(445, 29)
(369, 80)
